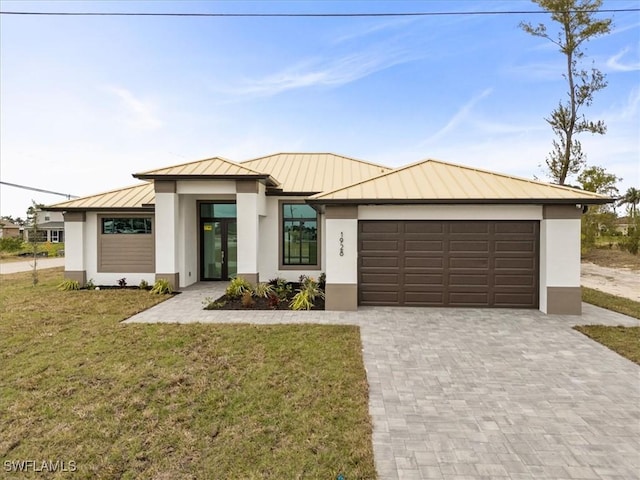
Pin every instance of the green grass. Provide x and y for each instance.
(622, 305)
(623, 340)
(174, 401)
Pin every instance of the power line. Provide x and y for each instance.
(355, 14)
(68, 195)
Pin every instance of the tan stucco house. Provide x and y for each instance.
(427, 234)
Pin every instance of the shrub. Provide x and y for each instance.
(67, 285)
(10, 244)
(122, 282)
(301, 301)
(281, 287)
(273, 301)
(237, 287)
(143, 285)
(247, 299)
(322, 280)
(264, 290)
(210, 304)
(161, 287)
(90, 285)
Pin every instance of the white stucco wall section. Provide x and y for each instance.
(188, 241)
(341, 250)
(74, 254)
(559, 255)
(205, 186)
(450, 212)
(247, 207)
(167, 228)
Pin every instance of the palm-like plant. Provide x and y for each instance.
(632, 199)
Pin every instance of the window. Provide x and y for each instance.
(57, 236)
(299, 234)
(135, 225)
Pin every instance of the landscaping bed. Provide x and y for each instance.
(277, 294)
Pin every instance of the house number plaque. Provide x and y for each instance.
(341, 244)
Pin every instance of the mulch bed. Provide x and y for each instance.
(263, 303)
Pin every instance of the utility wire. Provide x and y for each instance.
(68, 195)
(383, 14)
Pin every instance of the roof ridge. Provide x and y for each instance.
(146, 172)
(319, 153)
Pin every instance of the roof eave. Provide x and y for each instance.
(269, 180)
(145, 208)
(461, 201)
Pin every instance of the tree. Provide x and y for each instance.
(32, 219)
(576, 26)
(598, 180)
(632, 199)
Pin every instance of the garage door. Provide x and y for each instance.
(452, 263)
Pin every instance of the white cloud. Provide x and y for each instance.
(460, 116)
(140, 115)
(614, 63)
(323, 72)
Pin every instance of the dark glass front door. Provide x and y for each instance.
(219, 242)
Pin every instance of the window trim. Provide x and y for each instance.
(281, 220)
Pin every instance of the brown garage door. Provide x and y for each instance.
(452, 263)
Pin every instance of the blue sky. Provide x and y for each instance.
(87, 101)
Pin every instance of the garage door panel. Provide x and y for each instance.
(423, 262)
(423, 227)
(468, 299)
(377, 245)
(513, 280)
(380, 278)
(463, 280)
(449, 263)
(468, 246)
(516, 263)
(468, 227)
(380, 298)
(380, 227)
(511, 228)
(423, 246)
(423, 299)
(421, 280)
(390, 261)
(525, 246)
(468, 263)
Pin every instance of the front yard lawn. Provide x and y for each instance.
(174, 401)
(623, 340)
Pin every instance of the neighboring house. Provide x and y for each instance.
(49, 227)
(622, 225)
(8, 229)
(427, 234)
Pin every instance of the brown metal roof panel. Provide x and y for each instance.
(128, 197)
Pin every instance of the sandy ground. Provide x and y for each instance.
(623, 282)
(27, 265)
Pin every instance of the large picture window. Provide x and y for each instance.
(127, 225)
(300, 234)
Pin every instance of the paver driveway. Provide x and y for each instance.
(468, 393)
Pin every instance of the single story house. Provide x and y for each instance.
(426, 234)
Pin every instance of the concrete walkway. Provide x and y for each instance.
(27, 265)
(478, 393)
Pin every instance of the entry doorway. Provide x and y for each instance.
(218, 241)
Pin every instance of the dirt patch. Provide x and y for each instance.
(612, 258)
(624, 282)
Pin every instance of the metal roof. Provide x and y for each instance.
(137, 196)
(314, 172)
(439, 182)
(209, 168)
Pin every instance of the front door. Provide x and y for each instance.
(218, 252)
